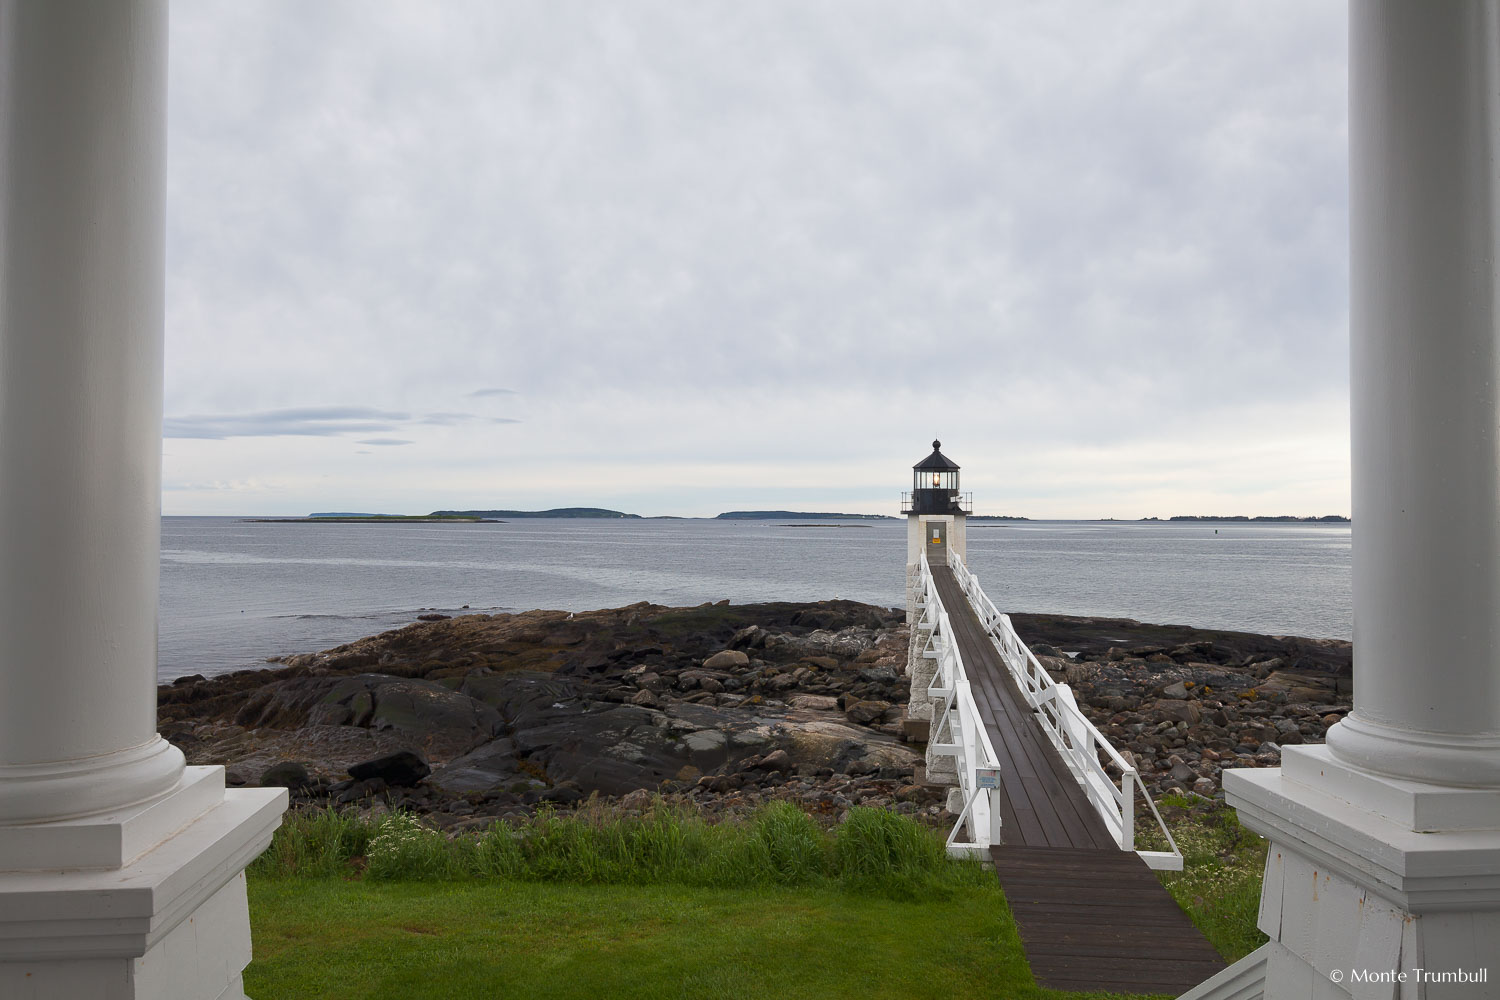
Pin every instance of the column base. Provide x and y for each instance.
(172, 923)
(1467, 761)
(1411, 805)
(1359, 904)
(115, 839)
(41, 793)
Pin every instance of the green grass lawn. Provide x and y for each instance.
(602, 904)
(330, 938)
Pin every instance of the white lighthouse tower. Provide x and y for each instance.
(936, 513)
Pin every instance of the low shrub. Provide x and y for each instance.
(875, 849)
(404, 848)
(786, 846)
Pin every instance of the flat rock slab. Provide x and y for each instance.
(813, 702)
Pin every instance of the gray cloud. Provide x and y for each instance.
(311, 421)
(479, 393)
(444, 419)
(314, 421)
(456, 419)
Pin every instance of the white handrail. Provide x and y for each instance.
(1076, 739)
(967, 741)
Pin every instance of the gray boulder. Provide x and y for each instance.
(286, 774)
(865, 712)
(484, 769)
(610, 750)
(1177, 710)
(402, 769)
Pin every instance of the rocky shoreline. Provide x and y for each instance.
(480, 717)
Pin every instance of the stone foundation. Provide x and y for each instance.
(921, 670)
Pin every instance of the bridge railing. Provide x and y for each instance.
(966, 740)
(1110, 781)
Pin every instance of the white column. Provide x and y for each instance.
(1425, 385)
(81, 284)
(1385, 844)
(120, 870)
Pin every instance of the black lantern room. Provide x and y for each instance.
(934, 488)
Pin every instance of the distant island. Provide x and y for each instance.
(369, 519)
(1337, 518)
(554, 512)
(997, 517)
(442, 516)
(774, 515)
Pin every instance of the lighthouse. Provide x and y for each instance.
(935, 517)
(936, 513)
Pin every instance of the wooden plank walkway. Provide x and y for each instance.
(1100, 920)
(1091, 916)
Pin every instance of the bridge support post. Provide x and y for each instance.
(1384, 870)
(942, 768)
(121, 871)
(921, 710)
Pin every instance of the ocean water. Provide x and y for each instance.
(234, 592)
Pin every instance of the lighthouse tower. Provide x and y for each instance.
(935, 516)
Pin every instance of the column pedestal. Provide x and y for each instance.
(169, 923)
(1359, 903)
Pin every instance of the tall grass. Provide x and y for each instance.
(880, 851)
(872, 851)
(1219, 885)
(313, 844)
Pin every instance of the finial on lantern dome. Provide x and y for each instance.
(936, 445)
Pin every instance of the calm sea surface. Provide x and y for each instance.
(234, 592)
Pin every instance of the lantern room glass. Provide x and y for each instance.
(927, 480)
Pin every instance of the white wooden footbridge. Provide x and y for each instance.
(1051, 802)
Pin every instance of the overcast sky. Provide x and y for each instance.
(679, 258)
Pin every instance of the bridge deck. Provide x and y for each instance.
(1091, 916)
(1041, 803)
(1100, 920)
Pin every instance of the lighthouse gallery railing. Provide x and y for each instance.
(1093, 761)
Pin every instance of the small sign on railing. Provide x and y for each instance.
(986, 777)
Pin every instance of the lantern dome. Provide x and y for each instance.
(937, 461)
